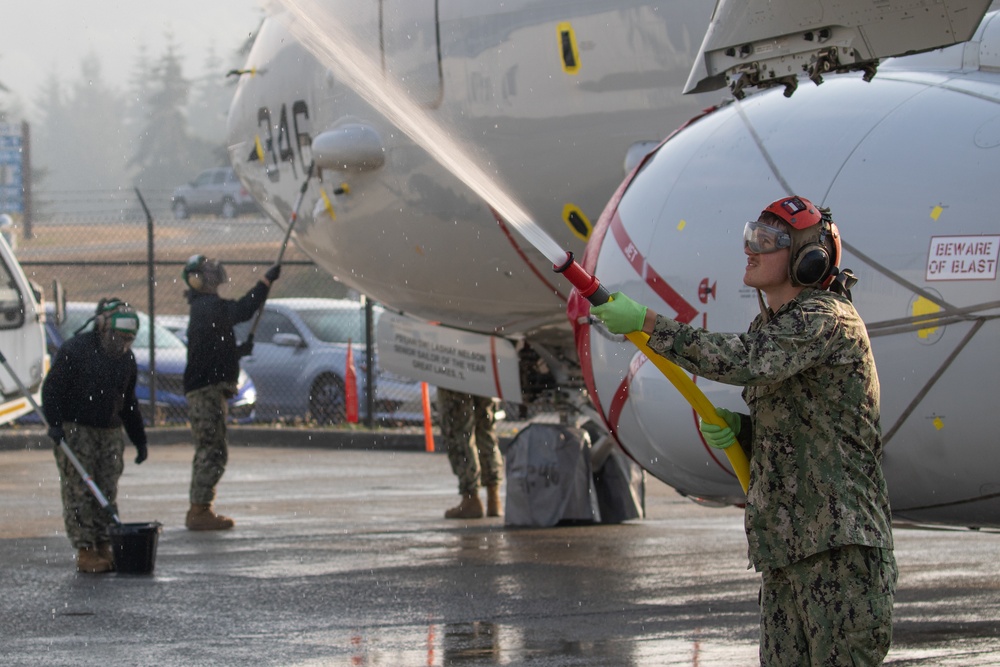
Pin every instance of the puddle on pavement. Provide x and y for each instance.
(483, 643)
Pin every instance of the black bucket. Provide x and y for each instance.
(134, 546)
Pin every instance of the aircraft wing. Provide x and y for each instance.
(763, 43)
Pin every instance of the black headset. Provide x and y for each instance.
(104, 306)
(812, 262)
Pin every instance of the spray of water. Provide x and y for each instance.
(335, 46)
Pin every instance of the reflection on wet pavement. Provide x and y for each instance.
(343, 558)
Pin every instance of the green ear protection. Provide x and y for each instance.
(192, 272)
(125, 323)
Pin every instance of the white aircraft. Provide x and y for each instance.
(558, 101)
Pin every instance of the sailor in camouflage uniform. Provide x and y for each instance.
(88, 395)
(817, 514)
(467, 428)
(213, 368)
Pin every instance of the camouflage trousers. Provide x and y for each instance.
(470, 439)
(207, 410)
(100, 452)
(831, 609)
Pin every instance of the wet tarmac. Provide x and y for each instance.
(342, 557)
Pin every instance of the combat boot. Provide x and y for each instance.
(201, 517)
(471, 507)
(493, 505)
(90, 560)
(104, 549)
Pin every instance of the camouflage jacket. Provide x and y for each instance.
(815, 439)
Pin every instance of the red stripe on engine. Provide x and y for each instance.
(496, 366)
(685, 311)
(617, 403)
(628, 248)
(578, 306)
(621, 396)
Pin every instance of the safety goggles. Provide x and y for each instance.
(761, 239)
(125, 323)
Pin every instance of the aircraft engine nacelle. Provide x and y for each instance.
(908, 165)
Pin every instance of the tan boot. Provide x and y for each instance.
(201, 517)
(90, 560)
(471, 507)
(104, 549)
(494, 506)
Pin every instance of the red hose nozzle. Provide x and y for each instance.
(587, 285)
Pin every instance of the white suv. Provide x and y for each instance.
(214, 191)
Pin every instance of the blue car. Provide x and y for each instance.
(171, 358)
(299, 364)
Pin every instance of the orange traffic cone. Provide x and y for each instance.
(351, 387)
(425, 396)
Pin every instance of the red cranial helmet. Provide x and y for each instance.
(815, 248)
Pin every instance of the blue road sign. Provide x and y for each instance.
(11, 168)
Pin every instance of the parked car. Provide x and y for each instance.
(176, 324)
(214, 191)
(171, 358)
(299, 363)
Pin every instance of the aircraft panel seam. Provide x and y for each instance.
(931, 382)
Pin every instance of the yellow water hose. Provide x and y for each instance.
(592, 290)
(690, 391)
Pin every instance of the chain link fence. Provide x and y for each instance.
(103, 245)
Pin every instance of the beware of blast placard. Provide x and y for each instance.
(963, 258)
(460, 360)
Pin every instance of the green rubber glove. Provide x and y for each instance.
(621, 315)
(721, 437)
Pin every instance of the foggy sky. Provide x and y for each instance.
(40, 37)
